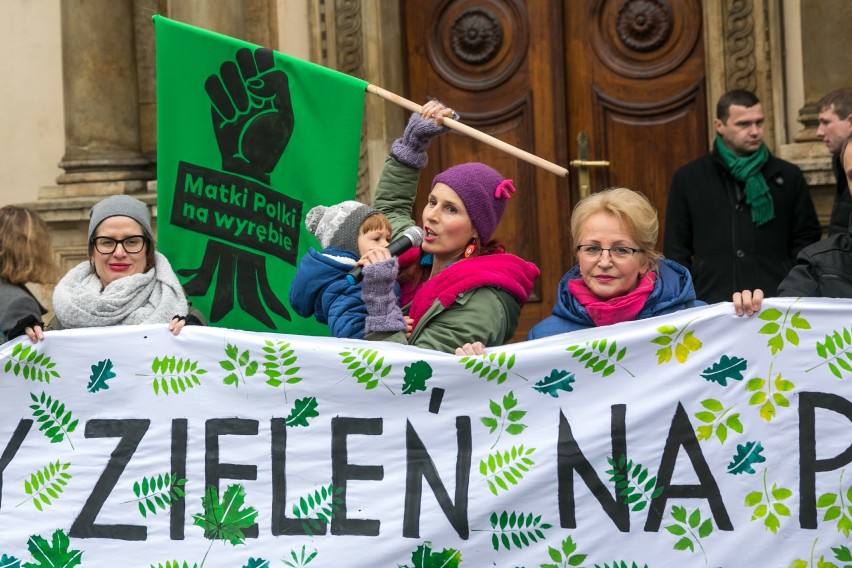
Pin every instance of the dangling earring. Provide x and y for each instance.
(470, 250)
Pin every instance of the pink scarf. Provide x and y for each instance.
(615, 310)
(500, 270)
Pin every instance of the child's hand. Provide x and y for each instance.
(374, 256)
(409, 326)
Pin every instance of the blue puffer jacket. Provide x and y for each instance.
(320, 289)
(673, 291)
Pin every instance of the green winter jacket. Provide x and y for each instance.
(488, 314)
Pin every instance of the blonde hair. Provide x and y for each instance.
(26, 253)
(631, 207)
(376, 221)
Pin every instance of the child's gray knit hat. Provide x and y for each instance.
(338, 225)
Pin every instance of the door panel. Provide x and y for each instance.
(636, 84)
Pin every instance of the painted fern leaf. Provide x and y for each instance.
(47, 483)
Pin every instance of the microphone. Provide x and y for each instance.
(412, 237)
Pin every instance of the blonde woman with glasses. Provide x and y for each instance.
(619, 275)
(125, 281)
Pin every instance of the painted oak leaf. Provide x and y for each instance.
(54, 554)
(225, 520)
(724, 369)
(101, 373)
(555, 382)
(747, 455)
(303, 410)
(416, 376)
(9, 562)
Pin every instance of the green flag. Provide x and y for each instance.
(248, 140)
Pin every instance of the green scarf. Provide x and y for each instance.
(747, 170)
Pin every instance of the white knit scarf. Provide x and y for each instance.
(151, 297)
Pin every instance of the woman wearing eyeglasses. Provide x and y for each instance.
(125, 281)
(619, 276)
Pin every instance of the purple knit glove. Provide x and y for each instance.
(411, 148)
(383, 312)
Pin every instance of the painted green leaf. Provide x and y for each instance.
(56, 422)
(157, 492)
(842, 553)
(600, 355)
(425, 557)
(299, 560)
(225, 519)
(555, 382)
(9, 562)
(747, 455)
(504, 468)
(520, 529)
(303, 410)
(240, 365)
(101, 373)
(415, 377)
(633, 481)
(684, 544)
(279, 364)
(29, 362)
(770, 314)
(733, 422)
(175, 564)
(366, 366)
(725, 368)
(256, 563)
(318, 508)
(173, 375)
(836, 349)
(753, 498)
(52, 554)
(489, 366)
(46, 483)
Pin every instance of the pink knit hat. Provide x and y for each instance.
(483, 191)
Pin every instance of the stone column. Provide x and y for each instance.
(102, 144)
(226, 17)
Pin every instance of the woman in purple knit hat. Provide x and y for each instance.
(460, 286)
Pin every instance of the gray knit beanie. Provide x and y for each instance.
(339, 225)
(121, 206)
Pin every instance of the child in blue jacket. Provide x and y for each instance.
(346, 231)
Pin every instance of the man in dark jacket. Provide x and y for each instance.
(835, 126)
(737, 217)
(824, 269)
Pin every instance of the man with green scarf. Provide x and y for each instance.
(737, 217)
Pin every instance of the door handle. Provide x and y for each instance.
(583, 163)
(589, 163)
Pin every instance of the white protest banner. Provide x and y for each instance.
(697, 439)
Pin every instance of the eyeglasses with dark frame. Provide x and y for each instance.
(594, 252)
(131, 244)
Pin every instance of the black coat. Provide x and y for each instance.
(709, 228)
(841, 212)
(823, 270)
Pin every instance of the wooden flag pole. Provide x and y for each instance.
(473, 133)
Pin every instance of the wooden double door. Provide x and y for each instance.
(627, 73)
